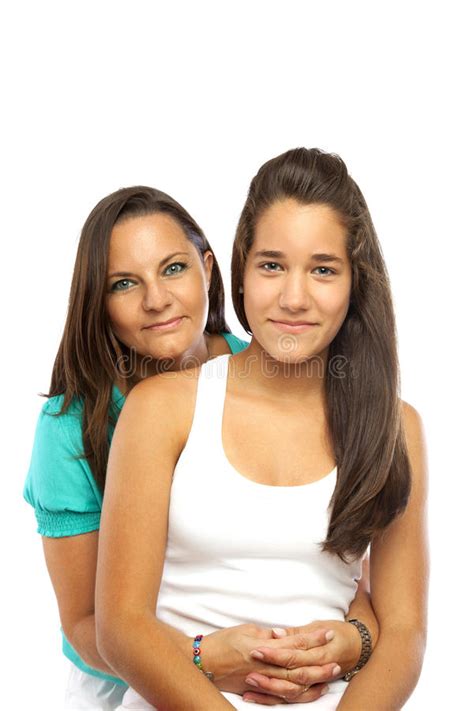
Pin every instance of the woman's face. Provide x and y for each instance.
(157, 286)
(297, 280)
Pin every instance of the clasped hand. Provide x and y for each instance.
(295, 664)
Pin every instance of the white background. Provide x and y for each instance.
(191, 97)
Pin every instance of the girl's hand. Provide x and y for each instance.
(228, 654)
(335, 650)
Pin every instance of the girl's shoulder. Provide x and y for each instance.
(411, 420)
(164, 389)
(161, 406)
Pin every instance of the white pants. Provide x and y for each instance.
(85, 691)
(328, 702)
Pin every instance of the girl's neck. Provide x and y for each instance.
(267, 376)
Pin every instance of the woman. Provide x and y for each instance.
(306, 427)
(146, 296)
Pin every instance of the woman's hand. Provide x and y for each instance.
(307, 656)
(231, 655)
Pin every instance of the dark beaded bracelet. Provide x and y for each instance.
(197, 656)
(366, 648)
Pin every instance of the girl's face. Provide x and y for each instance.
(157, 287)
(297, 280)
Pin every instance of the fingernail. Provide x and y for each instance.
(251, 682)
(336, 671)
(329, 635)
(325, 690)
(279, 631)
(256, 655)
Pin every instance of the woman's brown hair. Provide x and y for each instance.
(362, 397)
(89, 355)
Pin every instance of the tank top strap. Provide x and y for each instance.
(210, 399)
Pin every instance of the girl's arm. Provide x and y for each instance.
(361, 607)
(148, 440)
(309, 666)
(72, 564)
(399, 584)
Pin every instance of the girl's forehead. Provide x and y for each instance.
(289, 226)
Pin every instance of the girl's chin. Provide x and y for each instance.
(291, 357)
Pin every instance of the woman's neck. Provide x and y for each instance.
(136, 367)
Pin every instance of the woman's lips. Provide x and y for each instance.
(293, 326)
(165, 325)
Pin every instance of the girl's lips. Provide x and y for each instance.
(165, 325)
(295, 327)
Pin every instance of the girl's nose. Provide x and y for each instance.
(294, 294)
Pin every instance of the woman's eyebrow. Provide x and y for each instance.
(120, 274)
(171, 256)
(163, 261)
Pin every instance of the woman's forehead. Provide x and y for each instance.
(150, 237)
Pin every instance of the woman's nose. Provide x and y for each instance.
(156, 297)
(294, 295)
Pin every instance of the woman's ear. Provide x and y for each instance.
(208, 260)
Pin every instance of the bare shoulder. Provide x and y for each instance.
(416, 445)
(162, 402)
(166, 387)
(412, 423)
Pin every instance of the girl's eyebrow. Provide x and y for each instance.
(269, 254)
(163, 261)
(319, 257)
(322, 257)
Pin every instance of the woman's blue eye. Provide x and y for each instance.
(121, 285)
(175, 268)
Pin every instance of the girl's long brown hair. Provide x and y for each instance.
(362, 394)
(87, 363)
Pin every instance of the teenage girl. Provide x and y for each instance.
(255, 499)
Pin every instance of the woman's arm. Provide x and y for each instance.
(71, 563)
(132, 543)
(59, 482)
(399, 583)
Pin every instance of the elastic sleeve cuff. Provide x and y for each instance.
(66, 523)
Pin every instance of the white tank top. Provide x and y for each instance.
(239, 551)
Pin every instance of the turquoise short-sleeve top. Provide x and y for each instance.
(60, 485)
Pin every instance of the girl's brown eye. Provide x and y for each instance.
(325, 271)
(270, 266)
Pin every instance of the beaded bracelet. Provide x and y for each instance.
(197, 656)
